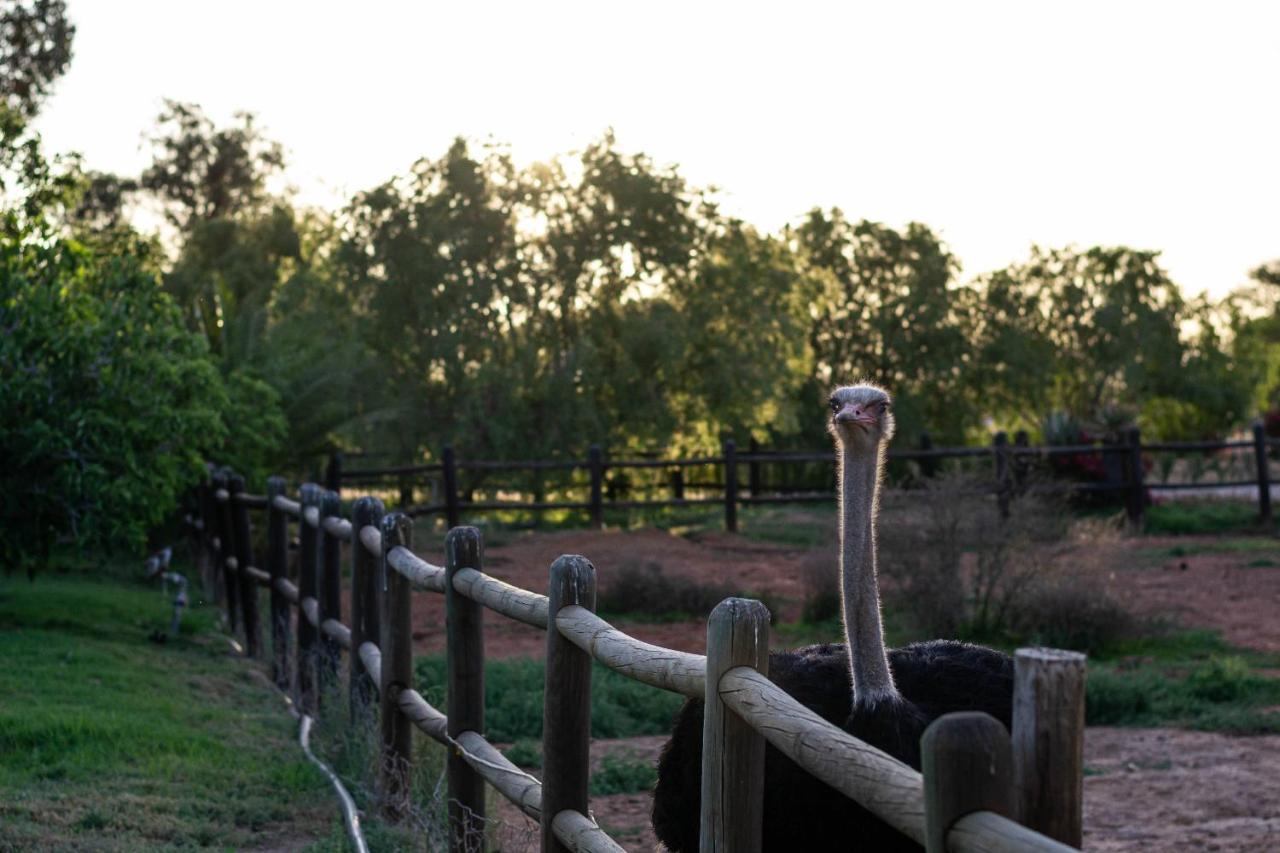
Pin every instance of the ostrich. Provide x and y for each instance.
(884, 698)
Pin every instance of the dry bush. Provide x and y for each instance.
(820, 576)
(642, 587)
(955, 566)
(1071, 613)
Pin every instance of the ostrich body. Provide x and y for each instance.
(885, 698)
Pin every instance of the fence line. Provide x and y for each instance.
(1010, 464)
(385, 571)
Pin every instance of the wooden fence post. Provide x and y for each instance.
(730, 485)
(1048, 742)
(1000, 452)
(1264, 474)
(226, 549)
(396, 645)
(449, 465)
(465, 625)
(333, 473)
(366, 596)
(595, 461)
(209, 573)
(968, 767)
(1021, 441)
(732, 751)
(753, 469)
(278, 568)
(308, 572)
(1137, 493)
(677, 484)
(928, 465)
(246, 585)
(566, 708)
(330, 590)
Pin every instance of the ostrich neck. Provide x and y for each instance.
(860, 593)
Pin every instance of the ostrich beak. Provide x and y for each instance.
(852, 414)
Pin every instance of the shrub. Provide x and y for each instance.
(820, 572)
(644, 588)
(1071, 615)
(622, 773)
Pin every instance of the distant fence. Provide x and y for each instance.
(1122, 470)
(980, 789)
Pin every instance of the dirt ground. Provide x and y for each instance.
(1146, 789)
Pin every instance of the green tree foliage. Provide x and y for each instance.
(110, 407)
(35, 50)
(885, 306)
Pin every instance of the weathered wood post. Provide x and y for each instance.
(1264, 474)
(566, 707)
(333, 473)
(753, 468)
(330, 591)
(397, 670)
(732, 751)
(209, 574)
(595, 462)
(278, 568)
(226, 547)
(308, 574)
(1021, 461)
(928, 465)
(366, 598)
(247, 586)
(465, 625)
(730, 485)
(1048, 742)
(1000, 452)
(968, 767)
(449, 469)
(1136, 504)
(677, 483)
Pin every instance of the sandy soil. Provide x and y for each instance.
(1147, 789)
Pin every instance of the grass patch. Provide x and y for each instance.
(111, 742)
(513, 691)
(622, 773)
(1200, 517)
(1223, 694)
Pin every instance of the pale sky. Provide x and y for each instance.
(997, 124)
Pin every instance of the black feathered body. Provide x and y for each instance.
(801, 812)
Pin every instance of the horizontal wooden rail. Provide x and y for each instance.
(371, 538)
(251, 501)
(311, 609)
(371, 657)
(420, 573)
(263, 578)
(668, 669)
(288, 589)
(221, 495)
(511, 601)
(339, 528)
(1182, 446)
(311, 515)
(285, 505)
(340, 633)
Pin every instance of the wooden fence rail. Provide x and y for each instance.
(1010, 465)
(744, 708)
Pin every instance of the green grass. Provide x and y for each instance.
(622, 773)
(513, 692)
(110, 741)
(1200, 517)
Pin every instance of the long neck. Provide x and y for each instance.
(859, 590)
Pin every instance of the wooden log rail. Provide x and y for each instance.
(945, 811)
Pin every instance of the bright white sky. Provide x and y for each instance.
(998, 124)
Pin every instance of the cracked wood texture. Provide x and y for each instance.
(511, 601)
(396, 646)
(308, 582)
(366, 626)
(1048, 742)
(465, 656)
(419, 572)
(732, 751)
(566, 716)
(968, 767)
(668, 669)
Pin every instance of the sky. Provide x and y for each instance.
(999, 125)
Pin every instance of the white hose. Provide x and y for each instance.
(349, 815)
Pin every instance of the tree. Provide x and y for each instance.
(885, 307)
(35, 50)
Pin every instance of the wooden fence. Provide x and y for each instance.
(1010, 465)
(980, 789)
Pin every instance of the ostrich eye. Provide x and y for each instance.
(884, 406)
(834, 404)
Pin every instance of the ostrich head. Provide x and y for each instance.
(860, 416)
